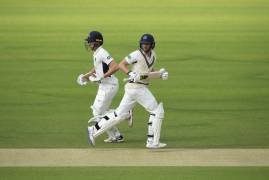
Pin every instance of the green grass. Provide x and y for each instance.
(118, 173)
(215, 51)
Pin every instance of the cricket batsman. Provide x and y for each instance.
(102, 74)
(136, 91)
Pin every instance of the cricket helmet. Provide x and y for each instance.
(95, 36)
(147, 39)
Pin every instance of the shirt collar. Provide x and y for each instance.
(146, 55)
(97, 50)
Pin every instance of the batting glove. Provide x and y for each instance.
(81, 80)
(164, 74)
(133, 76)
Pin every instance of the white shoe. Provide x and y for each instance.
(114, 140)
(155, 146)
(90, 135)
(130, 119)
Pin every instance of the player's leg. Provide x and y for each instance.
(102, 103)
(121, 113)
(148, 101)
(115, 135)
(113, 118)
(98, 109)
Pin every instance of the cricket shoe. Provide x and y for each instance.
(155, 146)
(118, 139)
(90, 135)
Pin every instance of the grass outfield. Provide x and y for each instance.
(216, 52)
(118, 173)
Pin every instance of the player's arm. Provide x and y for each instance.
(88, 74)
(132, 76)
(113, 67)
(123, 66)
(84, 78)
(130, 59)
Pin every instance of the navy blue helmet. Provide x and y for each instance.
(95, 36)
(147, 39)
